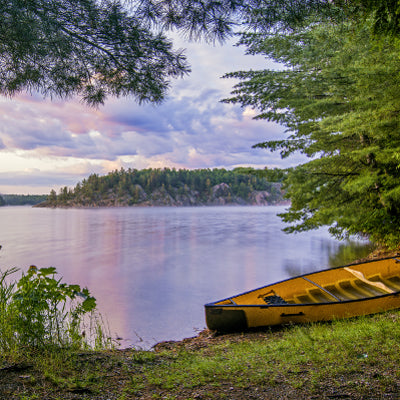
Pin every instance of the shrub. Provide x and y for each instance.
(39, 311)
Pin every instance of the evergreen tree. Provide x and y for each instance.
(116, 48)
(339, 100)
(52, 198)
(84, 47)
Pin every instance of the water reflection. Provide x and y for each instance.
(349, 252)
(339, 254)
(152, 269)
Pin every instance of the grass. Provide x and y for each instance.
(300, 356)
(355, 359)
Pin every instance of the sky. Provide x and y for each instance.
(50, 143)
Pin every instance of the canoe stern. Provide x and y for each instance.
(223, 319)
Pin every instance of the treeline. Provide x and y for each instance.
(172, 187)
(21, 199)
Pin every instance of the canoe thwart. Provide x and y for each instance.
(322, 288)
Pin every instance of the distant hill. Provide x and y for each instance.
(170, 187)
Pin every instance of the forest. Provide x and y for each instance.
(21, 199)
(172, 187)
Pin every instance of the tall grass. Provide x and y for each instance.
(7, 335)
(39, 311)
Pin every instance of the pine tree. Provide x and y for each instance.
(339, 100)
(84, 47)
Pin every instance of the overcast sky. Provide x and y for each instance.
(47, 144)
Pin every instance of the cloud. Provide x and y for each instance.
(125, 129)
(41, 180)
(35, 178)
(191, 129)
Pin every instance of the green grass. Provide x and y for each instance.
(356, 351)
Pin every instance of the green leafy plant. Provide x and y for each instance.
(44, 307)
(40, 311)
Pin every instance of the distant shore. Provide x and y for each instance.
(166, 187)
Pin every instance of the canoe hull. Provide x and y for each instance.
(226, 315)
(238, 318)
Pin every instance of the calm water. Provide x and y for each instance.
(153, 269)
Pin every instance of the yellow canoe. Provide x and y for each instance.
(343, 292)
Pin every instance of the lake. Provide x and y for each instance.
(152, 269)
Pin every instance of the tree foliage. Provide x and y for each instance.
(216, 20)
(21, 199)
(338, 98)
(95, 49)
(138, 186)
(385, 13)
(84, 47)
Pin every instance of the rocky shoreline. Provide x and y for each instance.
(219, 195)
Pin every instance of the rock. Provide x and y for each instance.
(259, 198)
(221, 190)
(160, 197)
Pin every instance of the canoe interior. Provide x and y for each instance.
(353, 282)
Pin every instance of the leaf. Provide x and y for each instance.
(48, 271)
(89, 304)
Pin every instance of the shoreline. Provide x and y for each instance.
(353, 358)
(340, 359)
(141, 205)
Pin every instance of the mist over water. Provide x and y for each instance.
(152, 269)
